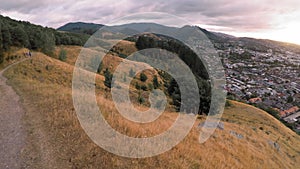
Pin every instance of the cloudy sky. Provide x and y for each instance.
(272, 19)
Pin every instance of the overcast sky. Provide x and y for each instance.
(272, 19)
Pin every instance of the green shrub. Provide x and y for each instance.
(228, 104)
(144, 87)
(1, 58)
(137, 86)
(150, 86)
(290, 99)
(155, 82)
(141, 100)
(143, 77)
(100, 67)
(62, 55)
(108, 78)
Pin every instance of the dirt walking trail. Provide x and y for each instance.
(12, 132)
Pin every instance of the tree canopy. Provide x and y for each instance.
(25, 34)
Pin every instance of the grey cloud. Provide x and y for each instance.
(25, 6)
(246, 15)
(235, 14)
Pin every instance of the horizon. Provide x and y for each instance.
(255, 19)
(206, 27)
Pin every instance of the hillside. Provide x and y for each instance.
(24, 34)
(80, 27)
(255, 68)
(250, 139)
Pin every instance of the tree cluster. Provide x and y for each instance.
(25, 34)
(191, 59)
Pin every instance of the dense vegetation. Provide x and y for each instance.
(175, 46)
(80, 27)
(190, 58)
(25, 34)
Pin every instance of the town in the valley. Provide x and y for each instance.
(268, 78)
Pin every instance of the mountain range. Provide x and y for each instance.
(219, 39)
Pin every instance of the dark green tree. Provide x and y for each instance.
(174, 92)
(108, 78)
(143, 77)
(137, 86)
(141, 100)
(25, 34)
(62, 55)
(1, 47)
(290, 99)
(100, 67)
(35, 38)
(144, 87)
(155, 82)
(1, 57)
(20, 37)
(48, 42)
(6, 37)
(150, 86)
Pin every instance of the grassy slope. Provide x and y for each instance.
(12, 56)
(111, 61)
(55, 134)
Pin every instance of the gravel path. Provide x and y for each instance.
(12, 133)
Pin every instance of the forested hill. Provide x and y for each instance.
(25, 34)
(81, 27)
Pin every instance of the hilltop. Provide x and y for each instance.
(80, 27)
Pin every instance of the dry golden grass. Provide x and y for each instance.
(112, 61)
(126, 47)
(15, 54)
(139, 130)
(44, 85)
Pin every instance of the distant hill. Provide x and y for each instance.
(80, 27)
(131, 29)
(143, 27)
(219, 39)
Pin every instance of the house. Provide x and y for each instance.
(292, 118)
(255, 100)
(289, 111)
